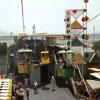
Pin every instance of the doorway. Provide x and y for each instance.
(44, 74)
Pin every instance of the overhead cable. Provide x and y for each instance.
(23, 16)
(60, 15)
(49, 14)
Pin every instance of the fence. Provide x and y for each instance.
(3, 66)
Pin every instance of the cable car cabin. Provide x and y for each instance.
(65, 72)
(45, 57)
(25, 64)
(65, 68)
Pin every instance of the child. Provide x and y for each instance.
(27, 93)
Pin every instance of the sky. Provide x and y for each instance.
(47, 15)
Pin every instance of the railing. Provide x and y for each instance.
(81, 96)
(76, 92)
(83, 79)
(73, 85)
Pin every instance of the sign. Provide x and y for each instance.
(68, 29)
(68, 22)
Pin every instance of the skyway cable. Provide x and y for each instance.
(23, 16)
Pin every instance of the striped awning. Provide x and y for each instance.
(97, 74)
(94, 69)
(94, 84)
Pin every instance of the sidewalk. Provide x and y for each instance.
(45, 93)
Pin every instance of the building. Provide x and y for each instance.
(93, 61)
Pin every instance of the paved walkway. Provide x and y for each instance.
(45, 93)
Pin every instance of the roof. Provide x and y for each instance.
(94, 69)
(96, 74)
(88, 55)
(92, 57)
(24, 50)
(45, 52)
(79, 60)
(12, 55)
(98, 53)
(94, 84)
(76, 25)
(77, 42)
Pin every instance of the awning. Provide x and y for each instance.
(94, 69)
(66, 52)
(97, 75)
(79, 60)
(45, 52)
(94, 84)
(24, 50)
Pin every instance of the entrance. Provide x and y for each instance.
(44, 74)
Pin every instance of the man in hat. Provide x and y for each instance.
(53, 83)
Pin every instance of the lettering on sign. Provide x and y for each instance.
(68, 22)
(68, 29)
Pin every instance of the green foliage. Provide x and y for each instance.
(96, 45)
(3, 50)
(12, 48)
(3, 57)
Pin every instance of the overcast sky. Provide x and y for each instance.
(47, 15)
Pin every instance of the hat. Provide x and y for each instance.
(21, 89)
(27, 89)
(52, 76)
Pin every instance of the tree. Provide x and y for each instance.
(12, 49)
(96, 45)
(3, 48)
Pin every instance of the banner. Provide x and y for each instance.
(68, 22)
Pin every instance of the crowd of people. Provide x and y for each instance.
(61, 62)
(19, 90)
(65, 63)
(81, 88)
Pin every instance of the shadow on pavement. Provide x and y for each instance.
(45, 88)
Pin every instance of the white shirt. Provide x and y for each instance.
(35, 84)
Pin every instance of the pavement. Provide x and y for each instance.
(45, 93)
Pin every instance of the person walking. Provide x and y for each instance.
(75, 66)
(27, 93)
(53, 83)
(10, 75)
(26, 82)
(20, 85)
(19, 94)
(35, 87)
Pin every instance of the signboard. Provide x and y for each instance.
(68, 29)
(68, 22)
